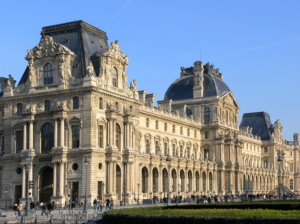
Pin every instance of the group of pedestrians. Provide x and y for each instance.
(45, 207)
(98, 204)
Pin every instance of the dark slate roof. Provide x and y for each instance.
(182, 88)
(80, 37)
(260, 123)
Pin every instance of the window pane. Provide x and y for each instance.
(75, 136)
(75, 103)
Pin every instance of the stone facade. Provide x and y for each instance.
(64, 112)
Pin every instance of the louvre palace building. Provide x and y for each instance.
(84, 122)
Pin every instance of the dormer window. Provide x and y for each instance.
(115, 78)
(48, 74)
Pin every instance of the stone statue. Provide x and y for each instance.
(125, 79)
(213, 158)
(170, 106)
(183, 72)
(90, 70)
(40, 106)
(193, 155)
(177, 113)
(159, 149)
(200, 157)
(133, 88)
(61, 67)
(296, 137)
(206, 156)
(184, 110)
(31, 75)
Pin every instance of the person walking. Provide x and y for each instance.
(20, 209)
(154, 200)
(107, 203)
(32, 205)
(44, 211)
(98, 205)
(95, 204)
(101, 204)
(37, 205)
(112, 203)
(16, 210)
(73, 205)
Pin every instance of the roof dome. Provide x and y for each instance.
(182, 88)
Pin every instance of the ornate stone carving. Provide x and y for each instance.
(90, 70)
(61, 69)
(47, 47)
(296, 137)
(20, 89)
(133, 88)
(170, 106)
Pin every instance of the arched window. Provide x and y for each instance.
(47, 105)
(115, 78)
(206, 135)
(188, 132)
(189, 112)
(181, 130)
(19, 108)
(291, 184)
(207, 114)
(47, 138)
(156, 124)
(147, 122)
(166, 126)
(118, 137)
(48, 74)
(75, 102)
(173, 128)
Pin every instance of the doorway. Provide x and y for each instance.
(46, 190)
(75, 197)
(18, 194)
(100, 190)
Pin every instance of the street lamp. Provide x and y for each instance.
(6, 202)
(86, 162)
(279, 161)
(168, 162)
(28, 159)
(124, 192)
(138, 185)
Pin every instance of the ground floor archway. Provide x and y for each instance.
(46, 184)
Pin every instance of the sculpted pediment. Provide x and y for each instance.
(47, 47)
(229, 98)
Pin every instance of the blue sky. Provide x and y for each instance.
(256, 44)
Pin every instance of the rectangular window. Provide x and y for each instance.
(100, 136)
(75, 136)
(19, 141)
(291, 153)
(174, 152)
(291, 167)
(19, 108)
(181, 151)
(75, 103)
(173, 128)
(265, 149)
(156, 147)
(147, 146)
(166, 149)
(47, 105)
(101, 103)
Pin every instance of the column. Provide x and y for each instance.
(127, 177)
(55, 132)
(54, 179)
(130, 134)
(31, 135)
(222, 182)
(61, 179)
(110, 177)
(127, 135)
(215, 181)
(23, 181)
(229, 150)
(62, 132)
(24, 136)
(110, 132)
(150, 188)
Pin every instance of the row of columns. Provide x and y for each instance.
(61, 172)
(30, 139)
(62, 132)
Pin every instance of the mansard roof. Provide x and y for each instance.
(260, 122)
(81, 38)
